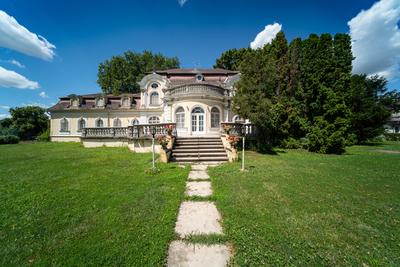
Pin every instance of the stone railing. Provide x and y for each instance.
(140, 131)
(240, 129)
(198, 90)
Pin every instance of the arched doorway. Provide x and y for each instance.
(197, 120)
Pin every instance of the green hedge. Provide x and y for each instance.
(9, 139)
(392, 136)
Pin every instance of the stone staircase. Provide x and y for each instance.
(199, 149)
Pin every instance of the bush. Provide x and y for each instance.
(45, 136)
(9, 139)
(392, 136)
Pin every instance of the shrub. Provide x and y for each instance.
(45, 136)
(392, 136)
(9, 139)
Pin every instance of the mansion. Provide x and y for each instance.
(196, 101)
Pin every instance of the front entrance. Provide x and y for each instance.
(197, 121)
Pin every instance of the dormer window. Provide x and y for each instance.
(154, 85)
(125, 102)
(199, 77)
(154, 99)
(75, 102)
(100, 102)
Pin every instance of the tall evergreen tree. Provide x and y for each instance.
(232, 58)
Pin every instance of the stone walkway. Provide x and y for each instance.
(198, 218)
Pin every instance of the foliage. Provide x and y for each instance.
(231, 59)
(371, 105)
(9, 139)
(28, 122)
(45, 136)
(233, 140)
(303, 94)
(121, 74)
(307, 209)
(392, 136)
(64, 205)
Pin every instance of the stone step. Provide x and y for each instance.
(199, 150)
(199, 146)
(200, 159)
(199, 143)
(200, 154)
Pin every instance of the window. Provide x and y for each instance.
(134, 122)
(215, 117)
(154, 99)
(117, 122)
(237, 118)
(100, 102)
(180, 118)
(99, 123)
(64, 125)
(154, 85)
(199, 77)
(81, 124)
(154, 119)
(125, 102)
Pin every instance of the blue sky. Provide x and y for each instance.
(86, 33)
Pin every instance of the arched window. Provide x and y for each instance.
(99, 123)
(215, 117)
(237, 118)
(64, 127)
(81, 124)
(154, 99)
(180, 118)
(100, 102)
(154, 119)
(134, 122)
(117, 122)
(125, 102)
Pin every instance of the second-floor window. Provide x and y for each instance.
(117, 122)
(154, 99)
(99, 123)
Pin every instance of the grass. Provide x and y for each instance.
(303, 209)
(61, 204)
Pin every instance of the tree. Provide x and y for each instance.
(29, 121)
(371, 105)
(232, 58)
(121, 74)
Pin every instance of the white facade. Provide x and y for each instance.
(196, 100)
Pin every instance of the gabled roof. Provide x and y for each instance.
(196, 70)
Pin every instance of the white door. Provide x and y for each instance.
(197, 121)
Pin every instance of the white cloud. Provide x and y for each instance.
(11, 79)
(14, 62)
(5, 107)
(266, 35)
(16, 37)
(3, 116)
(43, 94)
(376, 39)
(182, 2)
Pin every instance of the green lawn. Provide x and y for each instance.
(62, 204)
(305, 209)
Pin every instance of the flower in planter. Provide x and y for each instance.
(233, 140)
(163, 141)
(169, 128)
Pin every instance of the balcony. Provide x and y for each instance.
(141, 131)
(201, 90)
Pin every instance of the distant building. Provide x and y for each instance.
(393, 126)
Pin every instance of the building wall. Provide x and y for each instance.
(126, 117)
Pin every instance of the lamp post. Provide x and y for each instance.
(243, 132)
(153, 133)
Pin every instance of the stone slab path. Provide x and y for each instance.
(201, 189)
(198, 218)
